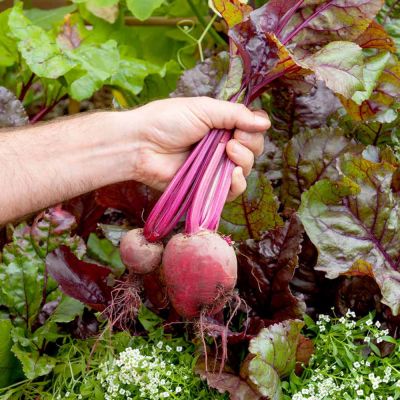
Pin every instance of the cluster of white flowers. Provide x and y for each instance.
(142, 372)
(360, 379)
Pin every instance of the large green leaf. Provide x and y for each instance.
(253, 212)
(354, 222)
(339, 65)
(274, 356)
(143, 9)
(37, 47)
(46, 19)
(311, 156)
(8, 47)
(9, 367)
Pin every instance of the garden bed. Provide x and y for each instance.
(314, 312)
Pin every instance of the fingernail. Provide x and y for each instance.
(262, 122)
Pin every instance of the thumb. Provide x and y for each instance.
(226, 115)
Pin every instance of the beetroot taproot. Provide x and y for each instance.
(139, 255)
(200, 272)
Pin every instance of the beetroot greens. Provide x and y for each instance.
(272, 42)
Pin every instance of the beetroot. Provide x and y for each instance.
(200, 272)
(139, 255)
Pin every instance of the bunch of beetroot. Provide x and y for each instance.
(199, 267)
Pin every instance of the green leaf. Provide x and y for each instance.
(37, 47)
(381, 100)
(339, 65)
(34, 364)
(148, 319)
(311, 156)
(8, 47)
(274, 349)
(67, 310)
(253, 212)
(143, 9)
(9, 366)
(354, 222)
(105, 252)
(46, 19)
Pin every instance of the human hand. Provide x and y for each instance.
(167, 129)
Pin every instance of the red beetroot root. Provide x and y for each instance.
(200, 272)
(139, 255)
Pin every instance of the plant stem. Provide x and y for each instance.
(213, 33)
(44, 111)
(26, 87)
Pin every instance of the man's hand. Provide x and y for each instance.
(46, 164)
(167, 129)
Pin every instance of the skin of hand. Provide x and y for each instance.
(174, 125)
(49, 163)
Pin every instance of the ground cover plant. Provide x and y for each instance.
(95, 302)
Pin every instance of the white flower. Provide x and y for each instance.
(168, 349)
(356, 364)
(369, 322)
(360, 392)
(379, 340)
(160, 345)
(367, 363)
(165, 394)
(179, 349)
(350, 313)
(367, 339)
(178, 389)
(377, 324)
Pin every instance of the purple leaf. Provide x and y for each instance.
(81, 280)
(353, 221)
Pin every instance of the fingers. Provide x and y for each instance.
(238, 185)
(226, 115)
(240, 155)
(253, 141)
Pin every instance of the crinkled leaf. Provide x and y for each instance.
(9, 366)
(384, 86)
(254, 211)
(311, 156)
(354, 221)
(67, 310)
(37, 47)
(143, 9)
(205, 79)
(292, 107)
(105, 252)
(318, 22)
(339, 65)
(81, 280)
(12, 112)
(274, 349)
(265, 269)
